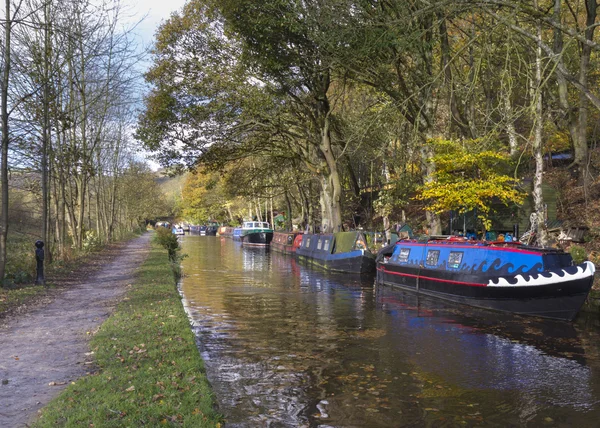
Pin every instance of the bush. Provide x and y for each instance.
(169, 241)
(578, 253)
(91, 242)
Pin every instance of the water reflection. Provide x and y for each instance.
(288, 346)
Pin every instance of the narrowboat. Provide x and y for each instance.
(256, 233)
(339, 252)
(237, 234)
(502, 276)
(211, 228)
(283, 242)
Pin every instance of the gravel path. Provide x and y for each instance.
(43, 350)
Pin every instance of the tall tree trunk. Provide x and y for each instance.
(331, 187)
(289, 223)
(581, 152)
(5, 139)
(46, 129)
(538, 197)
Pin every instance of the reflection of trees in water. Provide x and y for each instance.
(287, 344)
(541, 360)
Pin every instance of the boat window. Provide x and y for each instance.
(319, 244)
(432, 257)
(404, 253)
(326, 246)
(454, 259)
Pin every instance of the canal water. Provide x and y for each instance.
(287, 346)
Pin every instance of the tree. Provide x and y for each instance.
(469, 176)
(265, 87)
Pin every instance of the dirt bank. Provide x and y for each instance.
(45, 348)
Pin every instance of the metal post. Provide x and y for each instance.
(39, 258)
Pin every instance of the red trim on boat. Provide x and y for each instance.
(470, 284)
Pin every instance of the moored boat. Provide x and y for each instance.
(211, 229)
(503, 276)
(236, 235)
(340, 252)
(283, 242)
(256, 233)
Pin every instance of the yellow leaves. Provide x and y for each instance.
(468, 177)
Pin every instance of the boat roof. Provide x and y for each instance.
(472, 243)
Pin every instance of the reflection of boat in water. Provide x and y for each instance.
(486, 351)
(225, 231)
(340, 252)
(501, 276)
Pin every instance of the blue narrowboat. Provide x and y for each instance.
(237, 234)
(503, 276)
(340, 252)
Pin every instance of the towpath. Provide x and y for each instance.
(45, 348)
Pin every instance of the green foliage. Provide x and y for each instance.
(470, 175)
(578, 253)
(91, 242)
(168, 240)
(21, 264)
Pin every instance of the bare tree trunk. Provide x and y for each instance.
(581, 152)
(46, 129)
(289, 222)
(5, 139)
(538, 197)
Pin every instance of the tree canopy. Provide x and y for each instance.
(329, 104)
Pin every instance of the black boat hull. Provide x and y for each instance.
(561, 298)
(257, 239)
(358, 264)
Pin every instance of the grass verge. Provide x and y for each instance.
(149, 370)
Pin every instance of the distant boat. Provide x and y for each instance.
(256, 233)
(341, 252)
(283, 242)
(211, 229)
(237, 234)
(503, 276)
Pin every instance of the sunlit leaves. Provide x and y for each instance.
(470, 176)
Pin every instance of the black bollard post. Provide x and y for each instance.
(39, 258)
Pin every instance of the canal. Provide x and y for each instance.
(287, 346)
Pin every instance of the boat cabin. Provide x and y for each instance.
(256, 225)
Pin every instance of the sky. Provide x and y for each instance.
(153, 13)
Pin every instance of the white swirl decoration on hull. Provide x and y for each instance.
(582, 271)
